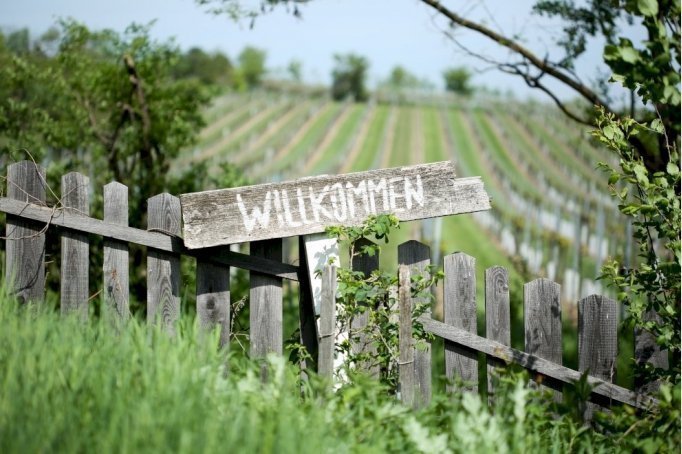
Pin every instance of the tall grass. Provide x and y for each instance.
(68, 386)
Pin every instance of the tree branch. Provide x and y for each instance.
(515, 47)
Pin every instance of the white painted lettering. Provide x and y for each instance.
(287, 210)
(257, 215)
(316, 204)
(393, 195)
(301, 207)
(415, 192)
(338, 203)
(374, 189)
(278, 207)
(361, 191)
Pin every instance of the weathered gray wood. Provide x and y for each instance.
(308, 205)
(417, 256)
(75, 248)
(597, 340)
(533, 363)
(116, 264)
(306, 311)
(154, 240)
(213, 299)
(320, 250)
(25, 259)
(365, 264)
(497, 317)
(648, 351)
(407, 377)
(265, 303)
(163, 268)
(325, 363)
(542, 320)
(459, 310)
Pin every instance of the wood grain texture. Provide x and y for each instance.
(154, 240)
(648, 351)
(325, 362)
(265, 303)
(306, 313)
(163, 268)
(75, 248)
(116, 256)
(417, 256)
(365, 264)
(25, 253)
(497, 317)
(213, 299)
(534, 363)
(542, 320)
(459, 310)
(597, 340)
(407, 377)
(308, 205)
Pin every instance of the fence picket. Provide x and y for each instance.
(405, 341)
(542, 320)
(115, 265)
(325, 363)
(365, 264)
(75, 248)
(497, 317)
(213, 299)
(163, 269)
(418, 257)
(265, 299)
(459, 303)
(25, 246)
(597, 340)
(648, 351)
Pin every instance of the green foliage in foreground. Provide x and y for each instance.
(67, 387)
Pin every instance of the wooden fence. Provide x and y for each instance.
(28, 218)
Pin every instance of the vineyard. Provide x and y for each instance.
(552, 215)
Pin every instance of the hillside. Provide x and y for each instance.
(551, 209)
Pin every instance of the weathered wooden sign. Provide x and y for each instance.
(308, 205)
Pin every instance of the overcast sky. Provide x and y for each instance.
(387, 32)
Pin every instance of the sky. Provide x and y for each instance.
(387, 32)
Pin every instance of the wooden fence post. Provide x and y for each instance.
(648, 351)
(265, 301)
(163, 268)
(75, 248)
(116, 265)
(213, 298)
(365, 264)
(542, 320)
(306, 311)
(497, 317)
(418, 257)
(25, 259)
(460, 311)
(325, 362)
(597, 340)
(405, 341)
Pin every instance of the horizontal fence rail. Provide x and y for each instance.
(28, 218)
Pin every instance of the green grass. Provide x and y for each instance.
(372, 141)
(68, 386)
(339, 146)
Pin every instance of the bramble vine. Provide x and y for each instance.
(367, 309)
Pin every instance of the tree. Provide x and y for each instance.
(295, 70)
(592, 20)
(213, 69)
(349, 76)
(105, 100)
(457, 81)
(252, 66)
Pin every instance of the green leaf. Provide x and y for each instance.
(673, 169)
(629, 54)
(648, 8)
(657, 125)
